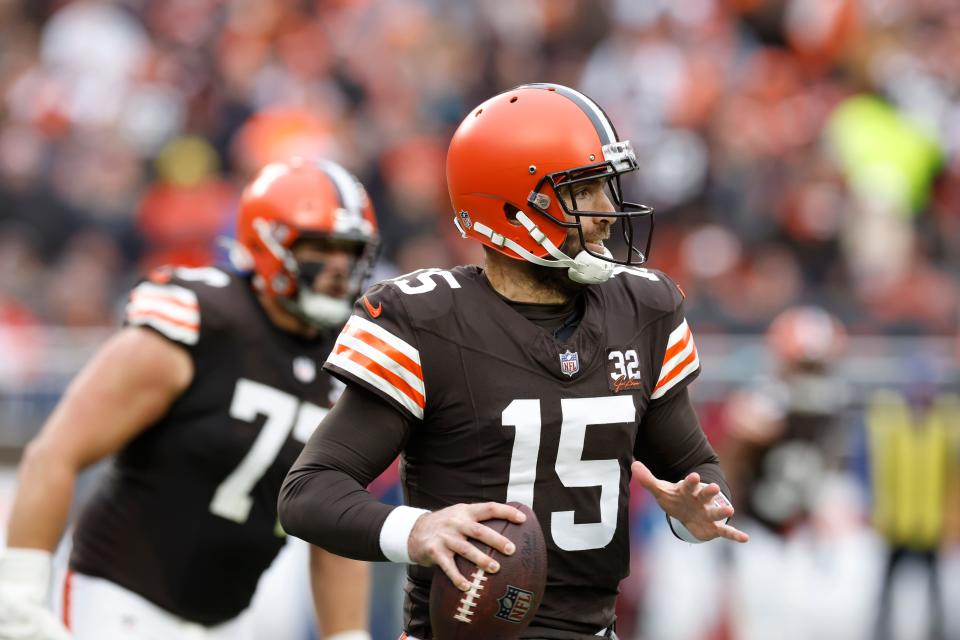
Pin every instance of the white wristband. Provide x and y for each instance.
(683, 533)
(26, 572)
(356, 634)
(395, 533)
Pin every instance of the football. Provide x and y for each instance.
(497, 605)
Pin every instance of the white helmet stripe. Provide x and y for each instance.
(600, 121)
(346, 187)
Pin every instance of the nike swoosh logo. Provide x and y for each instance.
(374, 311)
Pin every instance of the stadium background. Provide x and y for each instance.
(797, 151)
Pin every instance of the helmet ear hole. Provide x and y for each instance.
(511, 212)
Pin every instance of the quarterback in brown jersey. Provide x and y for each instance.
(205, 397)
(550, 376)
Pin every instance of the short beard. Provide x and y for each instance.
(557, 279)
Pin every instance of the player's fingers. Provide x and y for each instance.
(488, 536)
(719, 507)
(449, 567)
(690, 484)
(707, 493)
(720, 512)
(474, 555)
(732, 533)
(489, 510)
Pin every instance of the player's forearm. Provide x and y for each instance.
(42, 504)
(672, 444)
(331, 510)
(324, 500)
(341, 592)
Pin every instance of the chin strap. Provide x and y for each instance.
(585, 268)
(318, 309)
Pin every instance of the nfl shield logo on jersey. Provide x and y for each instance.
(515, 604)
(304, 369)
(569, 362)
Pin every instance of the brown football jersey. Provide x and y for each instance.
(186, 515)
(504, 411)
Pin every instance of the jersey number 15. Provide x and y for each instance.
(571, 468)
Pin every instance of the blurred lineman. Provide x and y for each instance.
(205, 397)
(539, 377)
(786, 433)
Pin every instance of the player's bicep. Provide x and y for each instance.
(323, 498)
(361, 436)
(128, 385)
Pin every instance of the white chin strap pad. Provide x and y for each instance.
(589, 269)
(323, 310)
(585, 268)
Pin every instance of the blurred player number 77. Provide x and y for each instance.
(283, 412)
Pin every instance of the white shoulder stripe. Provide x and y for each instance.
(361, 372)
(180, 294)
(382, 359)
(678, 334)
(169, 329)
(692, 366)
(672, 363)
(394, 341)
(164, 307)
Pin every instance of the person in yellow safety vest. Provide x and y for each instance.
(914, 463)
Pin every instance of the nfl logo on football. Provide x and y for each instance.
(515, 604)
(569, 362)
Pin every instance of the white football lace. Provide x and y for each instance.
(468, 601)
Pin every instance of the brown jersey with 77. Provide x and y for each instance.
(503, 411)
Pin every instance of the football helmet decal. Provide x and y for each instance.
(299, 199)
(511, 160)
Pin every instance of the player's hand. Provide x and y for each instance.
(437, 537)
(698, 506)
(21, 619)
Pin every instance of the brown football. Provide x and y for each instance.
(498, 605)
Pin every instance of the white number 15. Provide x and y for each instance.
(572, 469)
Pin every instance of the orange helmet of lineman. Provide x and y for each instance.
(806, 334)
(513, 154)
(296, 200)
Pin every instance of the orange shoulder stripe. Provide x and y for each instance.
(677, 369)
(375, 367)
(138, 314)
(386, 349)
(142, 295)
(678, 347)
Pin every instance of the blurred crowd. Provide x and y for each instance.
(795, 150)
(798, 152)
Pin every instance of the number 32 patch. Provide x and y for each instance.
(623, 370)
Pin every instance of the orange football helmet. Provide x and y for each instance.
(806, 334)
(299, 199)
(512, 154)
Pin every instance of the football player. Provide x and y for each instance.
(205, 397)
(550, 376)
